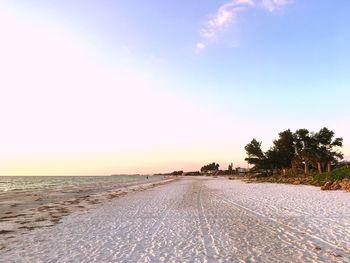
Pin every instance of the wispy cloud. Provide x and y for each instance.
(273, 5)
(227, 14)
(200, 46)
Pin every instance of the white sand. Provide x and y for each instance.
(199, 220)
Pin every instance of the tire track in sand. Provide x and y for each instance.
(211, 251)
(307, 230)
(316, 239)
(149, 235)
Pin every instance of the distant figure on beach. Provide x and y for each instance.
(147, 177)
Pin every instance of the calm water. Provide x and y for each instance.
(11, 183)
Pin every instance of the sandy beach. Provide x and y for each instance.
(24, 210)
(198, 219)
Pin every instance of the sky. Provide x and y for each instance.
(111, 87)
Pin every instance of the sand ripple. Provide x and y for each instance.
(199, 220)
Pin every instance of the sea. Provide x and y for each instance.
(18, 183)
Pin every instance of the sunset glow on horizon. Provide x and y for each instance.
(109, 87)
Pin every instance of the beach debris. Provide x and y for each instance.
(337, 185)
(296, 182)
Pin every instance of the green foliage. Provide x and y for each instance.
(336, 174)
(291, 151)
(194, 173)
(177, 173)
(210, 167)
(305, 144)
(256, 156)
(326, 143)
(283, 152)
(254, 151)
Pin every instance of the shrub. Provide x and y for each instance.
(336, 174)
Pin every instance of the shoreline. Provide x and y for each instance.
(199, 219)
(23, 211)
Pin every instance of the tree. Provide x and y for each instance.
(210, 167)
(230, 168)
(177, 173)
(283, 152)
(256, 156)
(290, 150)
(305, 147)
(325, 148)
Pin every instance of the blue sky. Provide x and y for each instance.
(165, 85)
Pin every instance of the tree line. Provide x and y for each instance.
(212, 167)
(293, 151)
